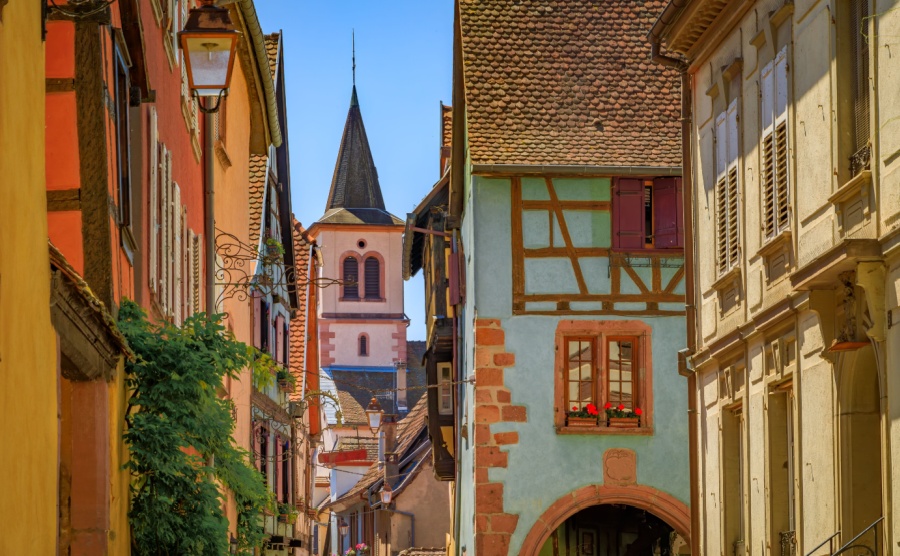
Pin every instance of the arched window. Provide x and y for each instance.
(373, 278)
(363, 345)
(351, 278)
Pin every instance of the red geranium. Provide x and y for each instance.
(608, 405)
(620, 407)
(574, 408)
(592, 409)
(637, 411)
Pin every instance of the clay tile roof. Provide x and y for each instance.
(258, 169)
(352, 411)
(567, 82)
(365, 441)
(272, 51)
(446, 125)
(298, 320)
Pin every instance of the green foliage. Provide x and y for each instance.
(180, 437)
(264, 368)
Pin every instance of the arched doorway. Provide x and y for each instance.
(859, 418)
(613, 519)
(613, 530)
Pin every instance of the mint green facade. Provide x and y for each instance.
(545, 465)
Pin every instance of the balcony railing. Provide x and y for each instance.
(867, 543)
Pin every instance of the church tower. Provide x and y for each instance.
(362, 325)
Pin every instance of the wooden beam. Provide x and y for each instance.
(63, 199)
(518, 262)
(564, 230)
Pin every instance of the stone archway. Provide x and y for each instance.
(664, 506)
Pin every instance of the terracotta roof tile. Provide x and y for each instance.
(272, 51)
(298, 328)
(446, 125)
(258, 169)
(567, 82)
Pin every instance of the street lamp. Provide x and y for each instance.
(208, 41)
(387, 494)
(343, 528)
(374, 413)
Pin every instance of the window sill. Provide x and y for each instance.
(775, 244)
(852, 188)
(603, 430)
(727, 279)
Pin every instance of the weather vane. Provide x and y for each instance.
(353, 41)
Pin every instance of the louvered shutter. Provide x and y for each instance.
(721, 193)
(286, 345)
(767, 84)
(198, 282)
(279, 339)
(190, 308)
(782, 195)
(279, 453)
(628, 214)
(154, 201)
(164, 245)
(732, 209)
(257, 321)
(350, 276)
(373, 278)
(667, 220)
(177, 282)
(363, 345)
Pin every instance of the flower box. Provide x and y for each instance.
(624, 422)
(286, 386)
(581, 421)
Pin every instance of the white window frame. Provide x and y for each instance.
(728, 204)
(775, 181)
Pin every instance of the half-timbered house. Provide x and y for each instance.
(554, 273)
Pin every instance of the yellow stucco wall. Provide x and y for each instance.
(119, 530)
(28, 377)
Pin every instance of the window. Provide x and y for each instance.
(620, 378)
(264, 327)
(445, 389)
(363, 345)
(373, 278)
(263, 455)
(774, 147)
(123, 143)
(727, 215)
(781, 463)
(600, 362)
(580, 375)
(859, 20)
(647, 214)
(285, 472)
(351, 278)
(733, 479)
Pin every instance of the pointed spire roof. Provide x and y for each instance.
(355, 196)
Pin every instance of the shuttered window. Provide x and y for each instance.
(351, 278)
(373, 278)
(775, 173)
(727, 214)
(859, 16)
(648, 214)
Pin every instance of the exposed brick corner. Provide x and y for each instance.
(493, 404)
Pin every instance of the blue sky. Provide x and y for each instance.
(403, 72)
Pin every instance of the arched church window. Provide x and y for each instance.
(363, 345)
(351, 278)
(373, 278)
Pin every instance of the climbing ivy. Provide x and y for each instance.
(180, 435)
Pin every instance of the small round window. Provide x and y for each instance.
(361, 244)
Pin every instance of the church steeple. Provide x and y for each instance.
(355, 182)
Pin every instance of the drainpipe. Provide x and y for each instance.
(690, 298)
(210, 225)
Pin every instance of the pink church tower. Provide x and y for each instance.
(362, 324)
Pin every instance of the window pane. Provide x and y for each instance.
(586, 371)
(587, 391)
(613, 351)
(626, 350)
(574, 394)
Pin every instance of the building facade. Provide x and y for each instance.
(555, 283)
(792, 139)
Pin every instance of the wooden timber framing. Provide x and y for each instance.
(651, 293)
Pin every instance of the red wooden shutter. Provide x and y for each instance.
(373, 278)
(667, 205)
(628, 214)
(279, 339)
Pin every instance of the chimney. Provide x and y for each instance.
(389, 440)
(400, 381)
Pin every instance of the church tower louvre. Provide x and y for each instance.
(362, 324)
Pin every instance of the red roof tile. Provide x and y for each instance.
(567, 82)
(258, 171)
(298, 327)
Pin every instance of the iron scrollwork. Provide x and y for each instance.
(242, 268)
